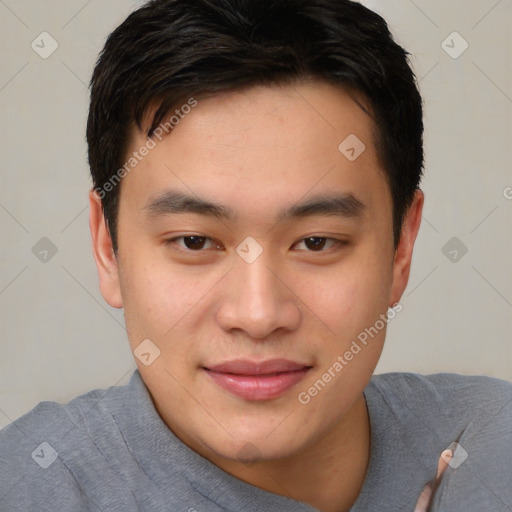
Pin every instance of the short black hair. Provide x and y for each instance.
(169, 51)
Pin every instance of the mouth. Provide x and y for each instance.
(256, 381)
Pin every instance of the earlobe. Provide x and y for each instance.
(404, 251)
(106, 262)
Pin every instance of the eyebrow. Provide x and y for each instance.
(172, 202)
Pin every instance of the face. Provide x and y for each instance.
(253, 254)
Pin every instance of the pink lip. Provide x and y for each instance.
(257, 381)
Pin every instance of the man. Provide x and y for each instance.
(256, 169)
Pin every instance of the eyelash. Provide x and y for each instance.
(336, 244)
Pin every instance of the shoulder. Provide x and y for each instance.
(47, 420)
(420, 417)
(445, 402)
(39, 450)
(441, 388)
(470, 416)
(29, 474)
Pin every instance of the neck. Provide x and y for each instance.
(327, 475)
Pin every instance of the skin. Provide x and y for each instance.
(259, 151)
(427, 494)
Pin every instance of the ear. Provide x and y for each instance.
(103, 252)
(403, 253)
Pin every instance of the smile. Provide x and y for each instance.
(257, 381)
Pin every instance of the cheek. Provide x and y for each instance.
(353, 298)
(161, 301)
(151, 299)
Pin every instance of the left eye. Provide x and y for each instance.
(318, 243)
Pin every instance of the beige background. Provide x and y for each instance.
(57, 336)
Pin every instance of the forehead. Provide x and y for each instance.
(263, 143)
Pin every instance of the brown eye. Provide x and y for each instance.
(319, 244)
(194, 242)
(315, 243)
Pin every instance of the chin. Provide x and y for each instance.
(256, 446)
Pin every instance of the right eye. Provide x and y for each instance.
(192, 243)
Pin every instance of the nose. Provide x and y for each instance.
(258, 300)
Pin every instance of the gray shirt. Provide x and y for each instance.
(109, 450)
